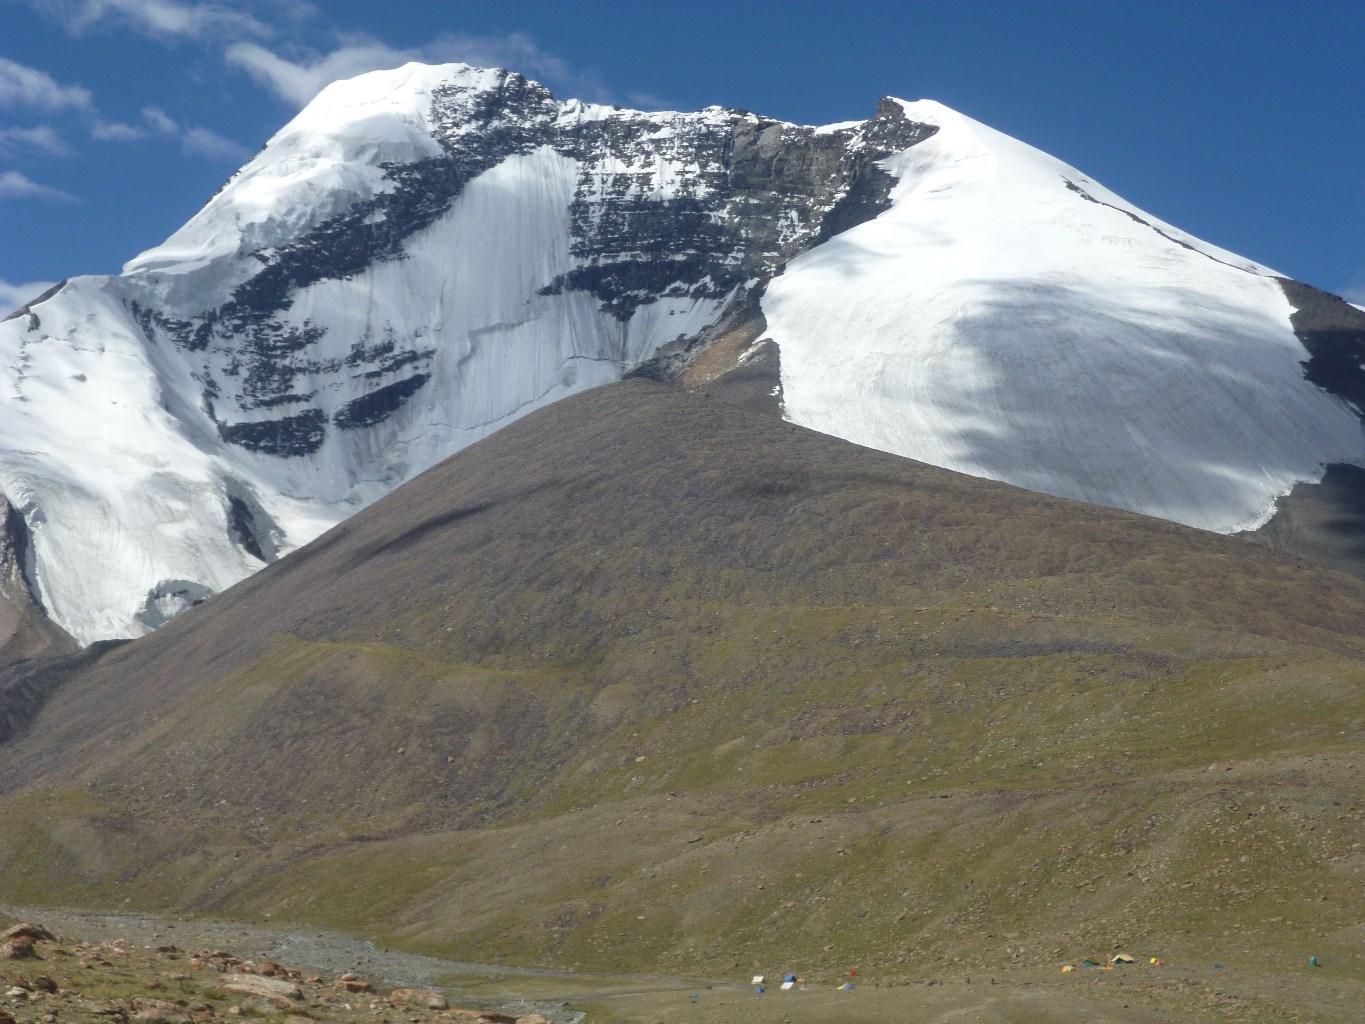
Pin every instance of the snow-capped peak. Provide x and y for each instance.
(424, 254)
(974, 140)
(330, 156)
(1011, 318)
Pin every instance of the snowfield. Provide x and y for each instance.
(997, 322)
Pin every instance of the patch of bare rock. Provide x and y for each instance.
(18, 941)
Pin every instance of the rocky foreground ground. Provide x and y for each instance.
(46, 981)
(118, 969)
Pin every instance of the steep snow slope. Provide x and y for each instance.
(1010, 318)
(128, 496)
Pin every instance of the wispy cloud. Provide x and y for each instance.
(648, 101)
(23, 86)
(158, 120)
(155, 121)
(299, 80)
(14, 185)
(207, 143)
(116, 131)
(194, 140)
(296, 83)
(15, 295)
(161, 19)
(43, 139)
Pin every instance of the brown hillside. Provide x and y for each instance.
(648, 681)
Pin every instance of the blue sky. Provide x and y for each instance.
(1240, 122)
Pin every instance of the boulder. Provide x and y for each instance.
(423, 998)
(28, 930)
(350, 983)
(18, 948)
(277, 991)
(158, 1011)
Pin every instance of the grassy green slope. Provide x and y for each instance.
(648, 682)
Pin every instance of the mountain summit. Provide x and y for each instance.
(423, 255)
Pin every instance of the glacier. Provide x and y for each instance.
(423, 255)
(1010, 318)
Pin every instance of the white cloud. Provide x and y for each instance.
(14, 185)
(43, 138)
(23, 86)
(648, 101)
(116, 131)
(194, 140)
(298, 81)
(159, 120)
(161, 19)
(15, 295)
(207, 143)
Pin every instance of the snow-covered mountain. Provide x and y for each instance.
(423, 255)
(1010, 318)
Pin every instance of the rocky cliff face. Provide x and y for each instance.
(25, 631)
(35, 656)
(686, 206)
